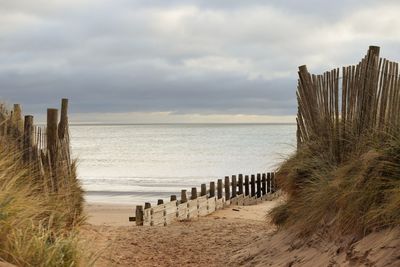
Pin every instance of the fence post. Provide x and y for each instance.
(246, 185)
(227, 188)
(194, 193)
(28, 137)
(269, 183)
(234, 186)
(240, 191)
(160, 202)
(253, 185)
(264, 184)
(258, 185)
(173, 198)
(273, 182)
(17, 117)
(52, 117)
(2, 122)
(62, 126)
(203, 191)
(212, 189)
(147, 205)
(139, 215)
(219, 188)
(183, 196)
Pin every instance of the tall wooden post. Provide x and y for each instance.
(264, 184)
(273, 182)
(246, 185)
(2, 121)
(17, 119)
(227, 188)
(194, 193)
(219, 188)
(269, 182)
(240, 184)
(63, 125)
(212, 189)
(298, 133)
(253, 185)
(203, 191)
(183, 196)
(139, 215)
(258, 185)
(28, 137)
(234, 186)
(9, 124)
(52, 116)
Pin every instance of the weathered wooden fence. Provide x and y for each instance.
(236, 190)
(340, 108)
(46, 149)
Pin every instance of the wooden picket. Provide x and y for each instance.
(206, 203)
(45, 148)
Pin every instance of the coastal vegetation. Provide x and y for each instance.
(40, 197)
(345, 174)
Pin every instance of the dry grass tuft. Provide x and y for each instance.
(37, 229)
(357, 196)
(38, 226)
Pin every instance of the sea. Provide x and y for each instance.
(133, 164)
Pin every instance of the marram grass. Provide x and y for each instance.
(345, 173)
(37, 229)
(357, 196)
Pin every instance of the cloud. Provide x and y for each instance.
(181, 57)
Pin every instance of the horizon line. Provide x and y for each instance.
(181, 123)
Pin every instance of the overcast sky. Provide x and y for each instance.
(186, 61)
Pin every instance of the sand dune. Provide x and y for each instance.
(284, 249)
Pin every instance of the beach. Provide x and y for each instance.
(235, 236)
(199, 133)
(109, 214)
(206, 241)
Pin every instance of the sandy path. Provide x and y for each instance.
(109, 214)
(208, 241)
(238, 236)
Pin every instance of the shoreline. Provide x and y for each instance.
(115, 214)
(112, 214)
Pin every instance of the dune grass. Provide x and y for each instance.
(356, 196)
(345, 173)
(37, 229)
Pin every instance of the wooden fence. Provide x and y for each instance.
(341, 108)
(240, 190)
(45, 148)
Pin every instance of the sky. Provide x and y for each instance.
(127, 61)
